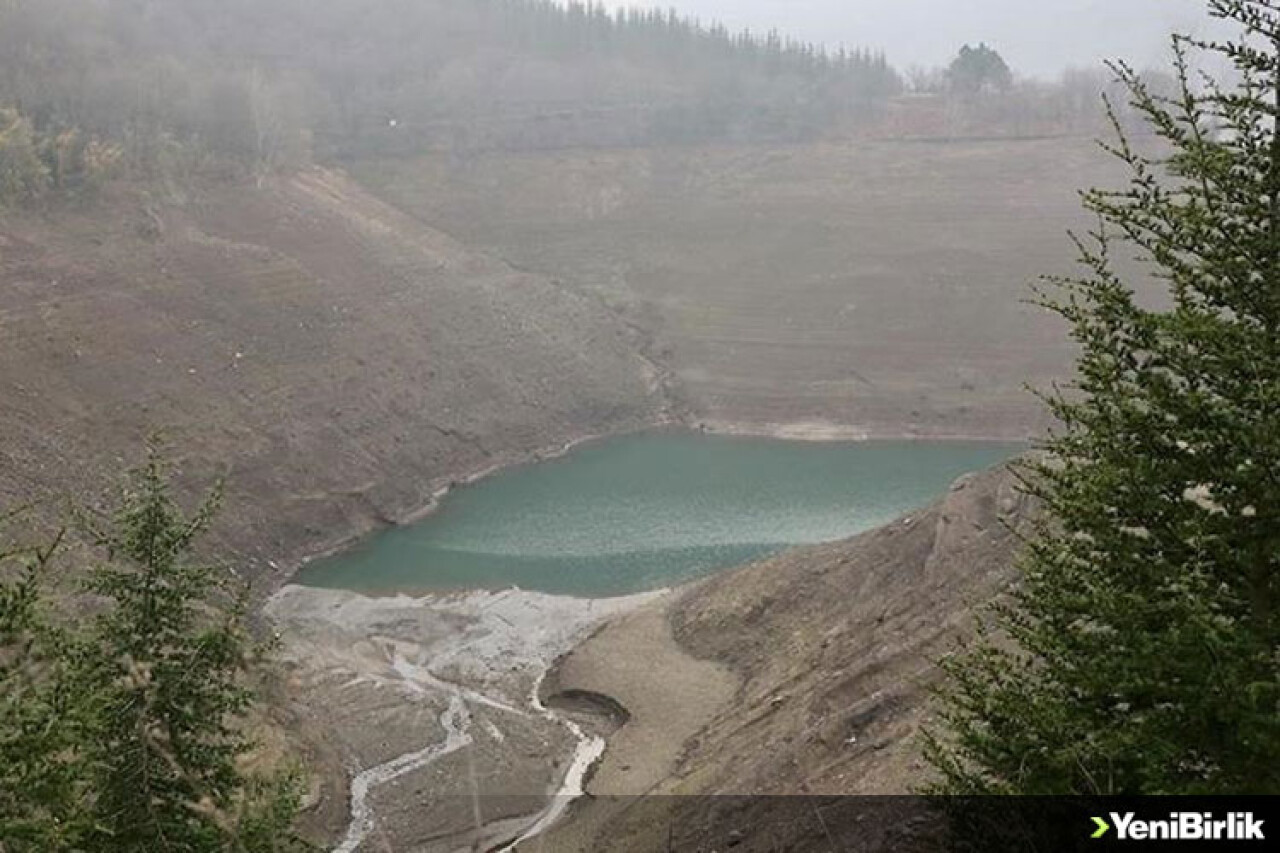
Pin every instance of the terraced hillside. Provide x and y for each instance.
(344, 360)
(873, 288)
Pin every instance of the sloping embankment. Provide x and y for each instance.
(830, 288)
(833, 648)
(343, 358)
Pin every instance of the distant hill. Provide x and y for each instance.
(172, 90)
(875, 288)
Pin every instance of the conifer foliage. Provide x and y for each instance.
(1141, 650)
(128, 736)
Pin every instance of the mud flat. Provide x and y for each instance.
(431, 709)
(664, 697)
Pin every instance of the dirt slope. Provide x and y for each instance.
(833, 648)
(858, 288)
(339, 357)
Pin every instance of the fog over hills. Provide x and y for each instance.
(1038, 39)
(632, 262)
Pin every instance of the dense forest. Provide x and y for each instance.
(181, 85)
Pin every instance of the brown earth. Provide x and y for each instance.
(348, 360)
(341, 360)
(667, 696)
(870, 288)
(834, 651)
(430, 700)
(337, 359)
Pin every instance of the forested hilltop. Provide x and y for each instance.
(180, 86)
(178, 89)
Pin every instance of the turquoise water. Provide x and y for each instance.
(643, 512)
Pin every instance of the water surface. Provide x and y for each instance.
(646, 511)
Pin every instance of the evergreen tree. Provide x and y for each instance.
(166, 671)
(1140, 652)
(128, 736)
(979, 69)
(23, 175)
(44, 779)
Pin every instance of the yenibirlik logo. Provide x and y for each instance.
(1183, 826)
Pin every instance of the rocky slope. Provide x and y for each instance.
(344, 360)
(831, 651)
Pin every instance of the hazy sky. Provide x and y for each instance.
(1037, 37)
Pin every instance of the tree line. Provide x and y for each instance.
(182, 87)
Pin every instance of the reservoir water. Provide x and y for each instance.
(647, 511)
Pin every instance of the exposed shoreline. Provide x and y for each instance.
(340, 621)
(820, 432)
(431, 706)
(443, 486)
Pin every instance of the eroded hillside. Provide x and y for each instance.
(336, 359)
(832, 650)
(857, 288)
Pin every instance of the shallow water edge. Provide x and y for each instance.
(287, 569)
(650, 510)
